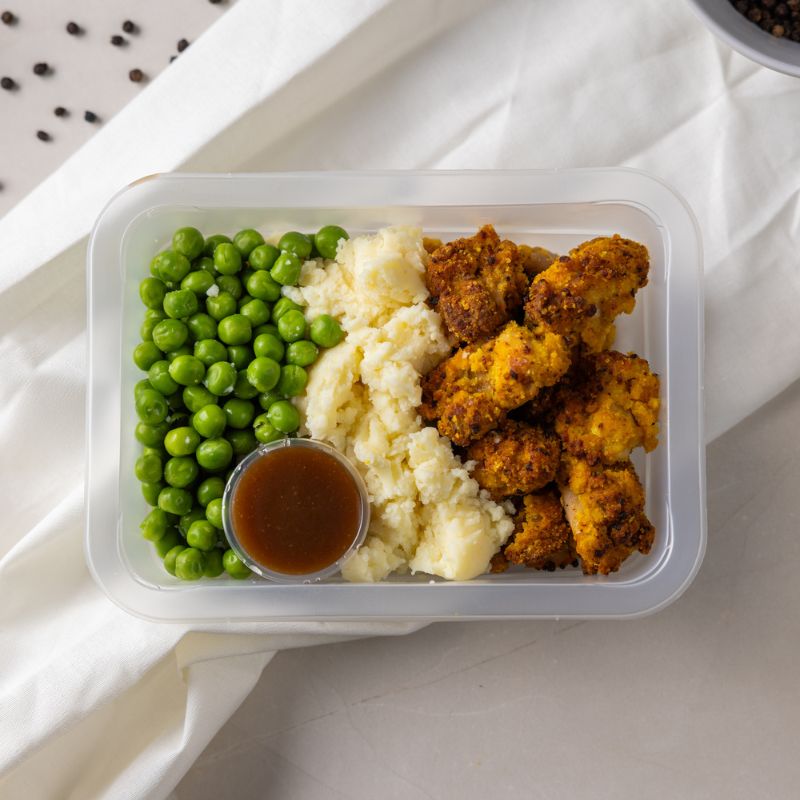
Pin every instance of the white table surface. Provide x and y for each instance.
(698, 701)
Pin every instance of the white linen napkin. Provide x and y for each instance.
(99, 704)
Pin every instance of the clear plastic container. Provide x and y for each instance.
(555, 209)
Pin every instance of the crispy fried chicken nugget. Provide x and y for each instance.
(611, 408)
(515, 459)
(541, 539)
(480, 282)
(604, 506)
(471, 392)
(580, 294)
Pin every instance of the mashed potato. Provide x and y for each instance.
(428, 514)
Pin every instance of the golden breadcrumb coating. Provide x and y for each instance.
(480, 283)
(605, 510)
(430, 244)
(541, 539)
(517, 458)
(611, 408)
(580, 294)
(471, 392)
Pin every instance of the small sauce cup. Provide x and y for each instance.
(295, 510)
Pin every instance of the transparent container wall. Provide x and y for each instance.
(558, 227)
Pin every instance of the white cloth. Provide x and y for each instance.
(99, 704)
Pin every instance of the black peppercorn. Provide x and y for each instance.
(60, 111)
(117, 40)
(9, 84)
(182, 45)
(43, 136)
(128, 26)
(73, 29)
(8, 18)
(90, 116)
(136, 75)
(42, 68)
(172, 58)
(215, 2)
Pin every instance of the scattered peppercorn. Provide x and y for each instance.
(172, 58)
(73, 29)
(182, 45)
(117, 40)
(128, 26)
(136, 75)
(90, 116)
(43, 136)
(782, 20)
(8, 18)
(60, 111)
(215, 2)
(9, 84)
(42, 68)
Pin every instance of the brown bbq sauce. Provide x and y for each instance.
(296, 510)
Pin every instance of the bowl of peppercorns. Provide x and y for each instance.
(766, 31)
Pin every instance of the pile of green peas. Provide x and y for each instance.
(224, 352)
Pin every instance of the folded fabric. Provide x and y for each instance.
(100, 704)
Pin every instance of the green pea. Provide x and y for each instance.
(195, 397)
(174, 500)
(214, 454)
(155, 524)
(179, 419)
(202, 326)
(234, 566)
(181, 471)
(293, 380)
(268, 346)
(146, 328)
(268, 328)
(188, 241)
(240, 355)
(302, 353)
(150, 492)
(239, 413)
(245, 275)
(145, 354)
(170, 266)
(264, 256)
(221, 378)
(327, 240)
(152, 291)
(282, 306)
(214, 510)
(141, 386)
(266, 399)
(212, 242)
(235, 329)
(160, 379)
(297, 243)
(209, 351)
(171, 557)
(182, 441)
(263, 373)
(261, 285)
(183, 350)
(187, 370)
(190, 564)
(284, 416)
(292, 326)
(243, 388)
(264, 430)
(202, 535)
(148, 468)
(210, 489)
(242, 441)
(170, 334)
(247, 240)
(214, 566)
(206, 264)
(227, 259)
(180, 303)
(186, 520)
(221, 306)
(169, 540)
(198, 282)
(150, 435)
(231, 284)
(257, 311)
(151, 407)
(326, 331)
(209, 421)
(286, 270)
